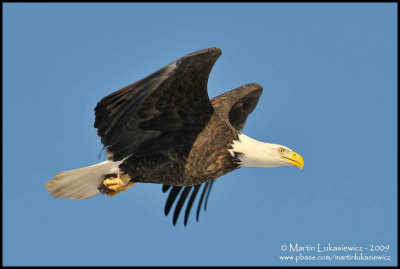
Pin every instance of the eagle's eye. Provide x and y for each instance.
(281, 150)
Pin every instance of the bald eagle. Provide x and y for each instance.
(164, 129)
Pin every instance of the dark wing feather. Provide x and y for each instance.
(237, 104)
(206, 187)
(208, 194)
(180, 203)
(173, 99)
(173, 195)
(165, 188)
(171, 198)
(190, 203)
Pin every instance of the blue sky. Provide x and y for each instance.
(329, 73)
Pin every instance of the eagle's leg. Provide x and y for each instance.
(116, 184)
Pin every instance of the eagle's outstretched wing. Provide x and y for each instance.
(234, 105)
(173, 99)
(237, 104)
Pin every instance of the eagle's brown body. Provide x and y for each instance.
(200, 157)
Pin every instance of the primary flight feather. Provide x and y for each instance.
(164, 129)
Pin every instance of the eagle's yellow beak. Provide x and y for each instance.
(295, 160)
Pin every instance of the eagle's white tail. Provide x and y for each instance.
(81, 183)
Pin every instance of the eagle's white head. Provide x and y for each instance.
(254, 153)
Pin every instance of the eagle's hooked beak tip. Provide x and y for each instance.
(297, 160)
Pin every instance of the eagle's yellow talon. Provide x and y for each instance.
(122, 189)
(117, 184)
(113, 183)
